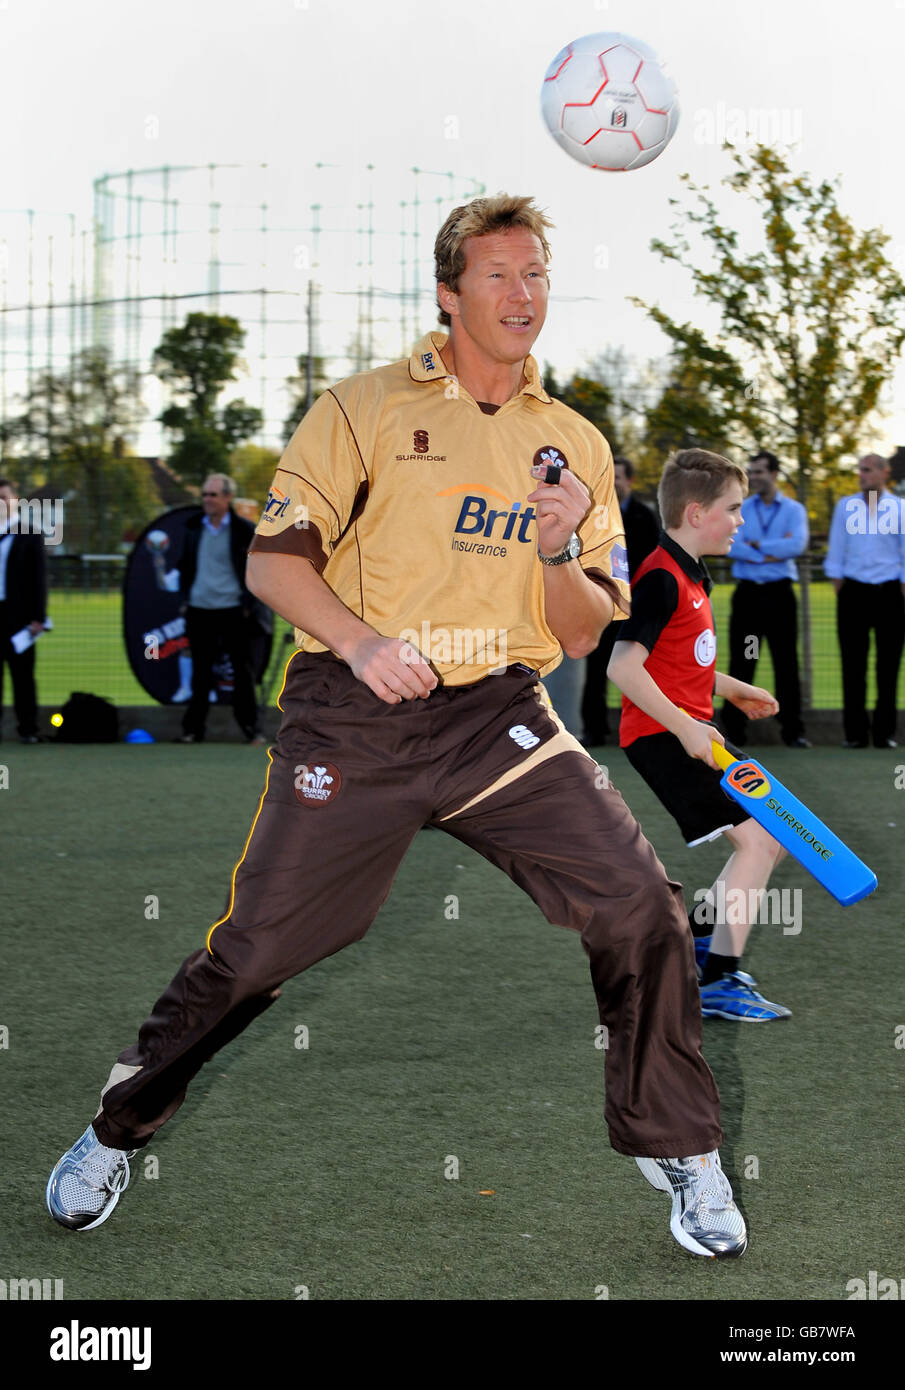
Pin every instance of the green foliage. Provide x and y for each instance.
(588, 397)
(196, 361)
(810, 323)
(201, 450)
(252, 467)
(71, 437)
(608, 393)
(298, 391)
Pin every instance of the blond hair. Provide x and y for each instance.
(478, 218)
(695, 475)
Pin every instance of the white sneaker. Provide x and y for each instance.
(705, 1219)
(86, 1184)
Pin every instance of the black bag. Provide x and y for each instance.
(88, 719)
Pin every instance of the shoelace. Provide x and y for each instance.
(96, 1171)
(715, 1185)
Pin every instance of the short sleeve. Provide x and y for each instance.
(317, 487)
(655, 598)
(604, 558)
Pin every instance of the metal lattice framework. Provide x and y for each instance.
(325, 261)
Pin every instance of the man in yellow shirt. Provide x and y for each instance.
(440, 531)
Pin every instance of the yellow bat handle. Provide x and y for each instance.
(723, 756)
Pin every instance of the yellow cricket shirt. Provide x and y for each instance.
(410, 502)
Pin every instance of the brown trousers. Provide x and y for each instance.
(351, 782)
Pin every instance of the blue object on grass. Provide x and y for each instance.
(138, 736)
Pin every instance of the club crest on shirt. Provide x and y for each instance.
(549, 453)
(705, 648)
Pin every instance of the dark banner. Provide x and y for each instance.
(153, 623)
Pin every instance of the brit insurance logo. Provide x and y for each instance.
(276, 506)
(483, 528)
(317, 782)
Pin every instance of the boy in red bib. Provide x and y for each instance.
(665, 665)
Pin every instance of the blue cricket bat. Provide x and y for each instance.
(796, 828)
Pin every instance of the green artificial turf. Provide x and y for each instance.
(86, 651)
(324, 1169)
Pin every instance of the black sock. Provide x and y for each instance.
(715, 967)
(704, 928)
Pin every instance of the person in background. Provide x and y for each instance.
(23, 604)
(866, 562)
(212, 577)
(664, 662)
(763, 555)
(641, 533)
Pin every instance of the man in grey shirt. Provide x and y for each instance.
(212, 571)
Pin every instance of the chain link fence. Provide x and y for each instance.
(86, 651)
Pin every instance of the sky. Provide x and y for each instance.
(107, 85)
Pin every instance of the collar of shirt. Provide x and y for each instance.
(695, 569)
(426, 364)
(215, 530)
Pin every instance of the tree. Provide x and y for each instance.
(810, 322)
(252, 468)
(610, 393)
(588, 397)
(303, 385)
(810, 325)
(196, 361)
(72, 437)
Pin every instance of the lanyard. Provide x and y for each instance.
(775, 509)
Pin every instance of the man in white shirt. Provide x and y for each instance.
(763, 556)
(866, 563)
(23, 604)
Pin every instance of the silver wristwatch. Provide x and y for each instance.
(571, 552)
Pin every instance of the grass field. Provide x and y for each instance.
(432, 1039)
(86, 650)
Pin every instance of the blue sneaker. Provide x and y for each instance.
(734, 996)
(86, 1184)
(701, 952)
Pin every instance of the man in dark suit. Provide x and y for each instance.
(23, 604)
(642, 533)
(218, 606)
